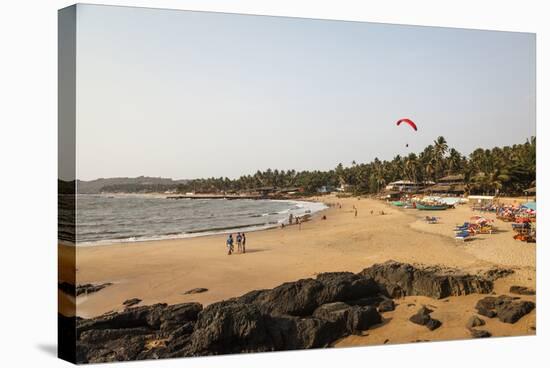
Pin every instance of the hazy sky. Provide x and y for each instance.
(191, 94)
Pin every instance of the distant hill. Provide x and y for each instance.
(129, 185)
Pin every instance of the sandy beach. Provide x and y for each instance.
(162, 271)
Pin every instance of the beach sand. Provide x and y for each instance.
(162, 271)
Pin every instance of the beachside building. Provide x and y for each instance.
(450, 184)
(406, 186)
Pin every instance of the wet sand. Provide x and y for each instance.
(162, 271)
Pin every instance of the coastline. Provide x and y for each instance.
(316, 207)
(162, 271)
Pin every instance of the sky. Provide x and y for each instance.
(195, 94)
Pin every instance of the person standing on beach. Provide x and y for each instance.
(239, 242)
(355, 209)
(244, 242)
(229, 243)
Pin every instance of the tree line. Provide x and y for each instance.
(505, 170)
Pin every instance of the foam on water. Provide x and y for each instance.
(121, 219)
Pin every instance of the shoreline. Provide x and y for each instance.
(163, 271)
(207, 232)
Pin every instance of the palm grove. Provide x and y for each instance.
(505, 170)
(509, 169)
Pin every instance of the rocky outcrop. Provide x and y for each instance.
(522, 290)
(403, 279)
(308, 313)
(507, 309)
(423, 318)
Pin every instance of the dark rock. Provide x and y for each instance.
(302, 297)
(433, 324)
(386, 306)
(196, 291)
(474, 321)
(373, 301)
(230, 327)
(290, 333)
(91, 288)
(512, 311)
(522, 290)
(131, 302)
(342, 286)
(402, 279)
(348, 319)
(506, 308)
(486, 306)
(298, 298)
(497, 273)
(308, 313)
(423, 318)
(479, 333)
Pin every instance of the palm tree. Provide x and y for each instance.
(440, 149)
(454, 161)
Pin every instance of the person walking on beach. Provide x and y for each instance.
(229, 243)
(244, 242)
(239, 242)
(355, 210)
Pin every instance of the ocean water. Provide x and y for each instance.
(129, 218)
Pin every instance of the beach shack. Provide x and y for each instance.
(448, 185)
(406, 186)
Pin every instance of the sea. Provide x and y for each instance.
(104, 219)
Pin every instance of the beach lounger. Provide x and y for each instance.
(465, 235)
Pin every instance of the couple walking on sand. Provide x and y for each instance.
(241, 243)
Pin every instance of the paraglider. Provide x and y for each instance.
(408, 122)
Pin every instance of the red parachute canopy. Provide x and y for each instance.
(408, 121)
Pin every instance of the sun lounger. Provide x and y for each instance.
(465, 235)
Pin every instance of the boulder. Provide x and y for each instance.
(302, 297)
(402, 279)
(229, 327)
(343, 286)
(486, 306)
(474, 321)
(522, 290)
(299, 298)
(348, 319)
(479, 333)
(423, 318)
(506, 308)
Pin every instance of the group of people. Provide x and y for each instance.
(241, 243)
